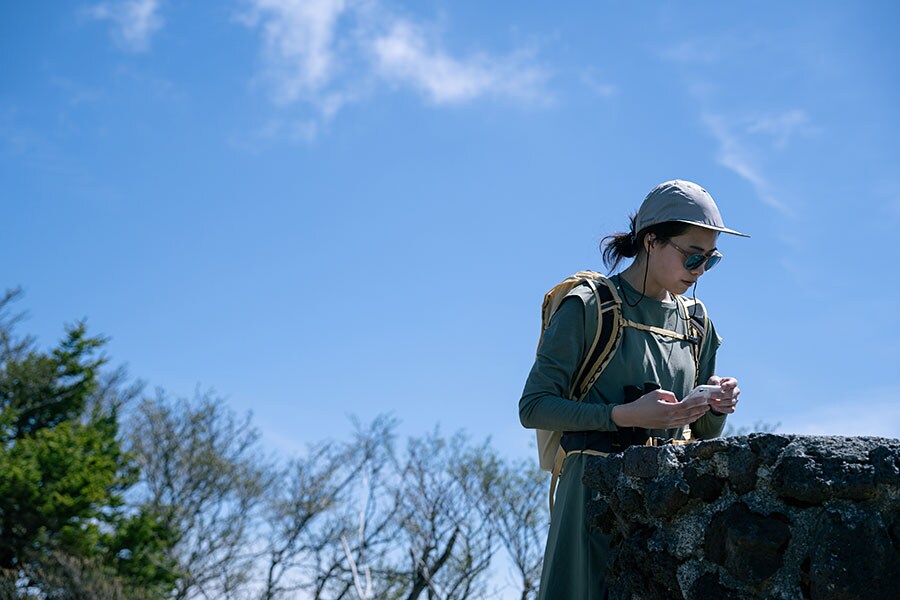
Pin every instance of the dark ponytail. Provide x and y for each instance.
(617, 246)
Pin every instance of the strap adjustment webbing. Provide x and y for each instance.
(660, 331)
(557, 468)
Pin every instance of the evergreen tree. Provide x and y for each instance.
(63, 474)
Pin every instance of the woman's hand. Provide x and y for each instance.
(659, 409)
(724, 402)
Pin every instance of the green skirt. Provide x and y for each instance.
(576, 556)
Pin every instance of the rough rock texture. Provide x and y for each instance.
(759, 516)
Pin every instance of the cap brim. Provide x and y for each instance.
(714, 228)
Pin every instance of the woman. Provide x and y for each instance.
(673, 241)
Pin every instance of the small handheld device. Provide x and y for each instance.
(703, 391)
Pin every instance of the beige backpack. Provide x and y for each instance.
(610, 324)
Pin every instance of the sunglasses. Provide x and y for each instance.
(693, 261)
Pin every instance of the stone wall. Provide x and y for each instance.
(759, 516)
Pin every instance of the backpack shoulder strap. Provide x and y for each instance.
(601, 293)
(695, 311)
(606, 338)
(557, 294)
(604, 295)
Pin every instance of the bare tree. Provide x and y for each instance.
(329, 519)
(202, 472)
(353, 520)
(302, 492)
(447, 540)
(759, 426)
(353, 550)
(409, 527)
(522, 519)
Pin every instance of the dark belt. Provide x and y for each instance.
(614, 441)
(608, 441)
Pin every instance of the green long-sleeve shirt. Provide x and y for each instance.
(576, 555)
(642, 357)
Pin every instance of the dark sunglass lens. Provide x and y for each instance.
(693, 261)
(712, 261)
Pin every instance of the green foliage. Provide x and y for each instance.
(63, 471)
(140, 544)
(186, 505)
(41, 391)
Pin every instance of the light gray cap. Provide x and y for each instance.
(681, 201)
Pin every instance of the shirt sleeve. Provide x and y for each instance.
(709, 425)
(544, 403)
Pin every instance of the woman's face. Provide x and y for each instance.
(666, 268)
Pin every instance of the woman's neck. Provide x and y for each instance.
(634, 275)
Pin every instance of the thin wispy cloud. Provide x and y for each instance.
(405, 55)
(736, 155)
(744, 144)
(299, 45)
(327, 53)
(782, 127)
(747, 141)
(134, 21)
(592, 80)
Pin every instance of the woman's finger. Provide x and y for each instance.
(665, 396)
(728, 383)
(724, 406)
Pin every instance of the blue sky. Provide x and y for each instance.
(332, 208)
